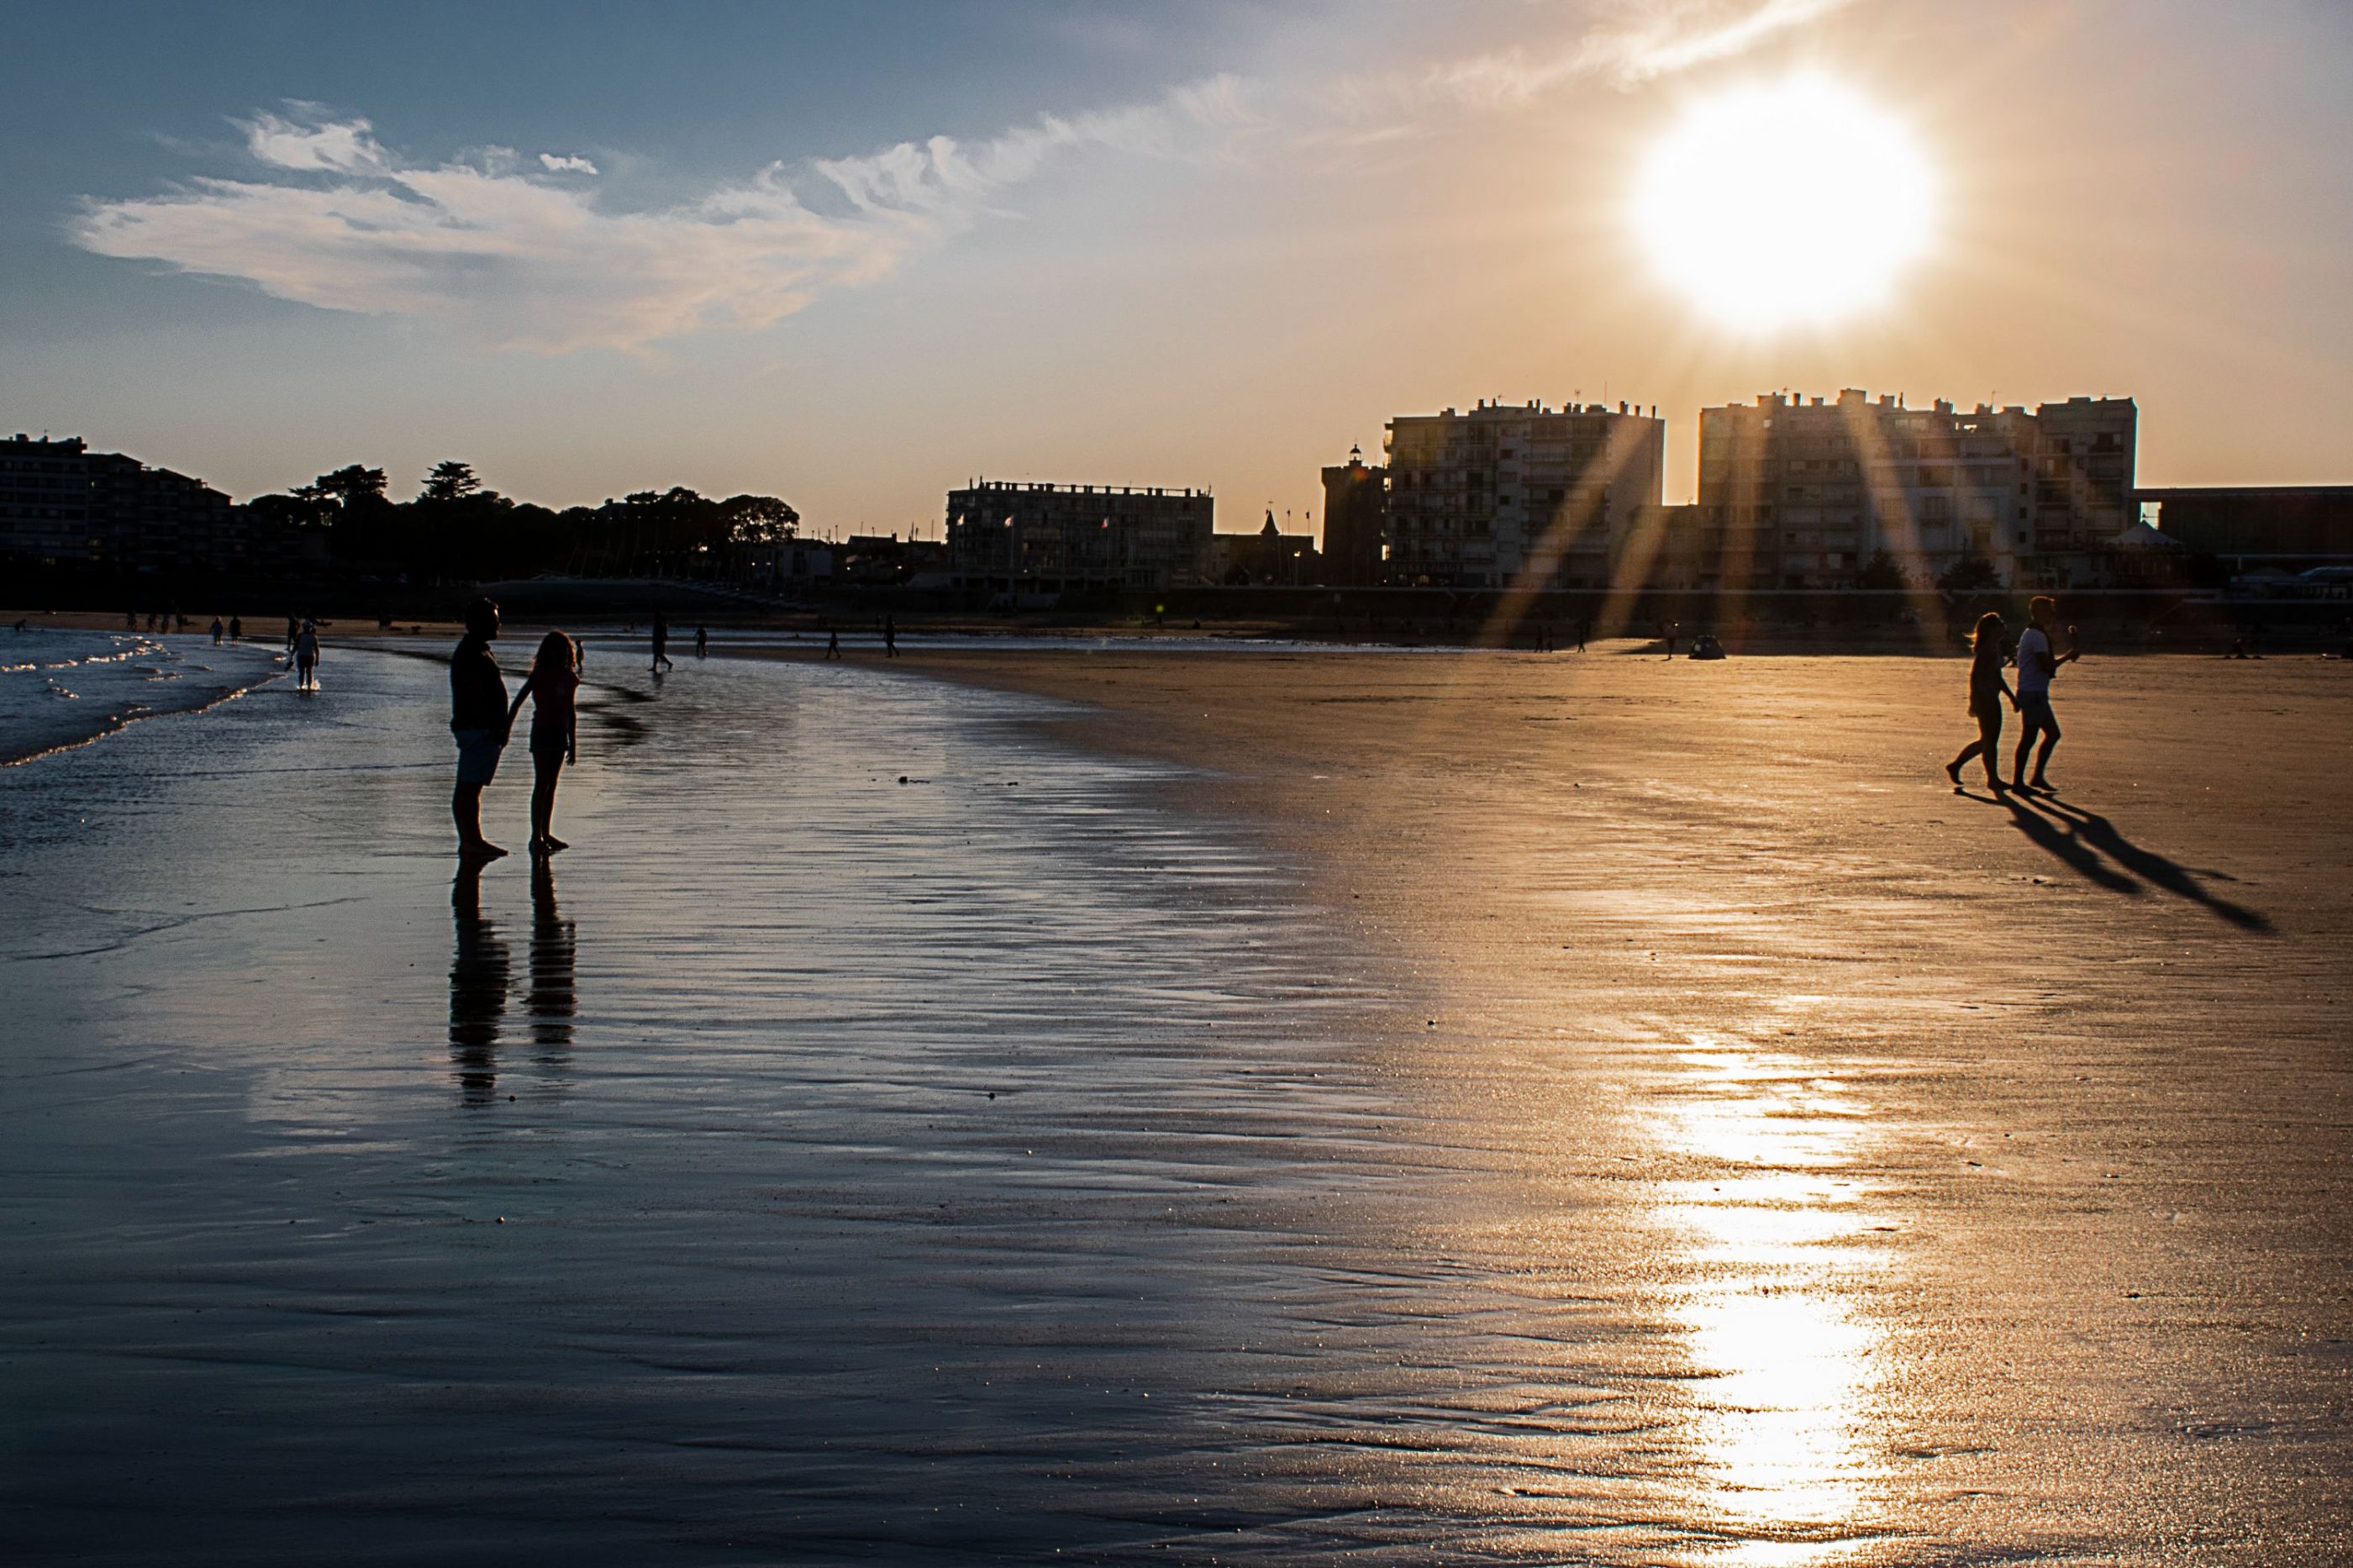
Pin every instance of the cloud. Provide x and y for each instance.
(518, 259)
(522, 258)
(1637, 41)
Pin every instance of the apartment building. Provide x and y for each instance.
(1805, 493)
(63, 504)
(1519, 494)
(1028, 538)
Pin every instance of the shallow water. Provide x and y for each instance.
(806, 1157)
(65, 688)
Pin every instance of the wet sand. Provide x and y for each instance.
(1223, 1107)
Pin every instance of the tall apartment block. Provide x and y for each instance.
(63, 504)
(1052, 538)
(1798, 493)
(1519, 494)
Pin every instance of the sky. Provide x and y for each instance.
(855, 255)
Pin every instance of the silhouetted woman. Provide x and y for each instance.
(1988, 690)
(552, 686)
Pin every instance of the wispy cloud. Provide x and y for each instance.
(531, 258)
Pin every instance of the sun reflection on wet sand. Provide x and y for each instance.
(1785, 1362)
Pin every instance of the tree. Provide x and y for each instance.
(450, 480)
(356, 486)
(758, 520)
(1970, 573)
(1883, 574)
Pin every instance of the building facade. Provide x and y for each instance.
(1807, 494)
(1356, 522)
(2286, 527)
(62, 504)
(1270, 556)
(1019, 538)
(1518, 494)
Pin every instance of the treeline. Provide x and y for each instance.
(455, 529)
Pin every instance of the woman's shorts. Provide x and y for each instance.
(478, 755)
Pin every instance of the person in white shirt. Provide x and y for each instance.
(2038, 661)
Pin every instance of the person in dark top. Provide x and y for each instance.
(702, 642)
(236, 627)
(478, 720)
(1988, 690)
(890, 637)
(661, 643)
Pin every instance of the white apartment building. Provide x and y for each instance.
(1798, 493)
(1519, 494)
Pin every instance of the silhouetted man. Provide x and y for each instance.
(478, 720)
(2038, 661)
(890, 637)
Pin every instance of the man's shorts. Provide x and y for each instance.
(2035, 713)
(478, 755)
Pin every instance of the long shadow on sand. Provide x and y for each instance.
(2091, 845)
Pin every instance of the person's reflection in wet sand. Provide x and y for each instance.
(478, 973)
(554, 943)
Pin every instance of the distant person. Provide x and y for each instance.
(661, 643)
(1987, 691)
(293, 630)
(218, 629)
(130, 620)
(1584, 630)
(181, 621)
(2038, 661)
(890, 637)
(553, 686)
(306, 658)
(832, 643)
(478, 722)
(236, 627)
(701, 642)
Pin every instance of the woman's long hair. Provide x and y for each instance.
(1988, 636)
(556, 652)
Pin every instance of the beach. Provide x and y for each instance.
(1137, 1104)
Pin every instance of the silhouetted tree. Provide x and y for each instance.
(1883, 574)
(1970, 573)
(450, 480)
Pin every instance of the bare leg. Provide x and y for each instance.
(466, 808)
(548, 767)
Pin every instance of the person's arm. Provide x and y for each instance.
(516, 706)
(572, 735)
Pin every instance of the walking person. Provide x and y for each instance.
(236, 628)
(661, 643)
(553, 686)
(2038, 661)
(1987, 691)
(217, 631)
(306, 658)
(702, 642)
(478, 722)
(890, 637)
(832, 643)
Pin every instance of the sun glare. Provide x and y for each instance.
(1785, 203)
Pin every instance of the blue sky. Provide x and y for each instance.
(595, 247)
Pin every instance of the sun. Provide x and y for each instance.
(1784, 203)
